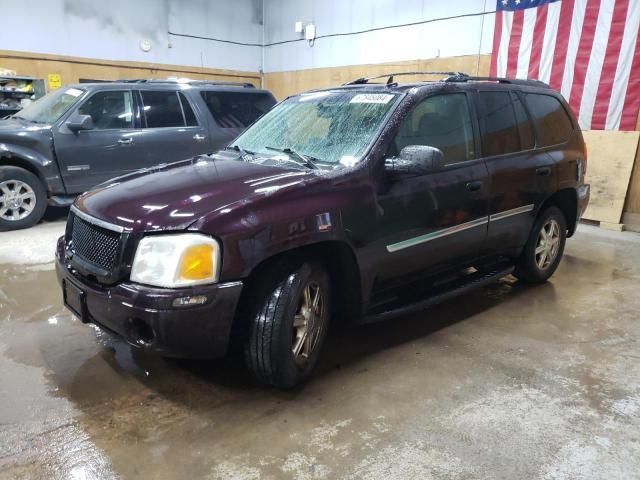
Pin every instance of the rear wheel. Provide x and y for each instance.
(289, 324)
(23, 198)
(544, 249)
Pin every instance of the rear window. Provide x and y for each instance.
(162, 109)
(524, 125)
(237, 109)
(500, 133)
(189, 116)
(551, 120)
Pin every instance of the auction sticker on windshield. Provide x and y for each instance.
(372, 98)
(74, 92)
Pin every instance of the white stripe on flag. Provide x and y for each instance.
(524, 54)
(503, 51)
(594, 69)
(549, 41)
(577, 20)
(623, 71)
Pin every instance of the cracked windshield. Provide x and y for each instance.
(329, 129)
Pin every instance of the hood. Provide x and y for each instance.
(174, 196)
(14, 128)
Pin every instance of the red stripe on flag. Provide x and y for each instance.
(584, 54)
(562, 42)
(538, 39)
(514, 43)
(632, 97)
(610, 65)
(497, 33)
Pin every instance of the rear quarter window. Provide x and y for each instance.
(237, 109)
(551, 121)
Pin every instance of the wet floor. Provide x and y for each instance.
(508, 382)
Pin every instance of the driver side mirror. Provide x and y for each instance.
(415, 160)
(79, 122)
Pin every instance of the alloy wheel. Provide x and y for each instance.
(548, 244)
(308, 323)
(17, 200)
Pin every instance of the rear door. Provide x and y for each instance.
(90, 157)
(234, 110)
(172, 130)
(522, 176)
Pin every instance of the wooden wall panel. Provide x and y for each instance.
(610, 160)
(283, 84)
(71, 69)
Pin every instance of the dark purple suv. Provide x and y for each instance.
(359, 202)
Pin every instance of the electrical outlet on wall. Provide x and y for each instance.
(310, 32)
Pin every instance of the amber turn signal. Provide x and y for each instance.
(197, 263)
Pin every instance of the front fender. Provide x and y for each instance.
(44, 166)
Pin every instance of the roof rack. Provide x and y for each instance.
(450, 78)
(463, 77)
(187, 81)
(364, 80)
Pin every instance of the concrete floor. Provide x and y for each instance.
(507, 382)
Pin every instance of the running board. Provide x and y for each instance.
(445, 292)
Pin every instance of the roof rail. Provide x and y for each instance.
(187, 81)
(364, 80)
(462, 77)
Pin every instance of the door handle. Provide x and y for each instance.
(543, 171)
(199, 138)
(474, 186)
(126, 141)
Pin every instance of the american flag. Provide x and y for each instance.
(589, 50)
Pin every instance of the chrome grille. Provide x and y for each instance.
(94, 244)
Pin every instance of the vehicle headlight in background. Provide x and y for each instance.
(177, 260)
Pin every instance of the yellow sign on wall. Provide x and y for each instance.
(54, 81)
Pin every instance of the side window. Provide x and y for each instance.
(162, 109)
(189, 116)
(441, 121)
(111, 109)
(524, 125)
(498, 124)
(552, 123)
(237, 109)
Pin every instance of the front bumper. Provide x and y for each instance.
(145, 316)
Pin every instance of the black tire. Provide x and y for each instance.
(8, 177)
(279, 295)
(528, 268)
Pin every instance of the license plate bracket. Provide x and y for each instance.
(75, 299)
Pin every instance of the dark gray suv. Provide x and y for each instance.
(82, 135)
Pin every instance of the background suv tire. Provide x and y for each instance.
(544, 248)
(288, 325)
(23, 198)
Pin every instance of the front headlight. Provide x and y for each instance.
(177, 260)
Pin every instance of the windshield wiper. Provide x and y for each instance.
(240, 150)
(306, 160)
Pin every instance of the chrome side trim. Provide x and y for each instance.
(512, 212)
(394, 247)
(78, 168)
(97, 221)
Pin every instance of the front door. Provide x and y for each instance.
(437, 220)
(90, 157)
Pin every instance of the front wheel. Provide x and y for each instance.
(23, 198)
(544, 248)
(289, 324)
